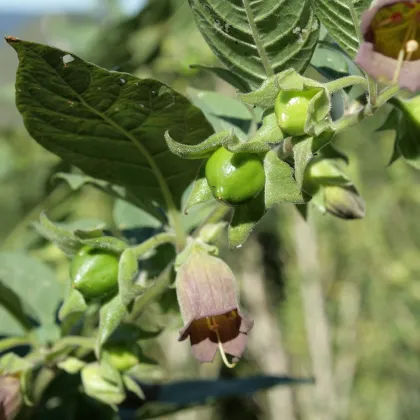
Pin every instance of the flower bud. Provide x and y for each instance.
(10, 397)
(207, 295)
(344, 202)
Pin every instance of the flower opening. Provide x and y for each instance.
(390, 51)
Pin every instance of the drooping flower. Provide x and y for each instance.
(390, 51)
(10, 397)
(207, 296)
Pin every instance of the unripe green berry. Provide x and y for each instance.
(94, 273)
(235, 178)
(291, 110)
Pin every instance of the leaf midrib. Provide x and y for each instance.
(257, 39)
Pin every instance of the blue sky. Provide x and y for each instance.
(36, 6)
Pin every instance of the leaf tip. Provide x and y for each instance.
(11, 39)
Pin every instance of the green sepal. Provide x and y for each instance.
(318, 117)
(111, 315)
(127, 273)
(74, 303)
(97, 387)
(202, 150)
(267, 136)
(280, 185)
(244, 220)
(11, 364)
(200, 192)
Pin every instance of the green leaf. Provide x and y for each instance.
(253, 40)
(226, 75)
(244, 220)
(223, 112)
(111, 125)
(33, 282)
(342, 19)
(111, 315)
(280, 186)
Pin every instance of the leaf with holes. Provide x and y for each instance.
(109, 124)
(257, 39)
(342, 19)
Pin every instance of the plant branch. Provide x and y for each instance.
(153, 242)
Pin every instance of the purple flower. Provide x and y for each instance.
(390, 51)
(10, 397)
(207, 295)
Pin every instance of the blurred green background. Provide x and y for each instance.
(335, 299)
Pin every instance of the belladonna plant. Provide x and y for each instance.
(390, 51)
(207, 296)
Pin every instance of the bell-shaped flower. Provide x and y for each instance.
(390, 49)
(207, 296)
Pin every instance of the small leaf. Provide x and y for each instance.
(342, 19)
(226, 75)
(280, 186)
(202, 150)
(244, 220)
(11, 364)
(72, 365)
(106, 243)
(74, 303)
(109, 372)
(111, 315)
(252, 41)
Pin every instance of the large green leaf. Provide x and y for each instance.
(256, 39)
(109, 124)
(342, 19)
(34, 283)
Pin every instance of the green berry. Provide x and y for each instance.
(291, 110)
(235, 178)
(94, 273)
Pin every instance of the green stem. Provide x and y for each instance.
(366, 111)
(258, 41)
(344, 82)
(155, 241)
(10, 342)
(372, 92)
